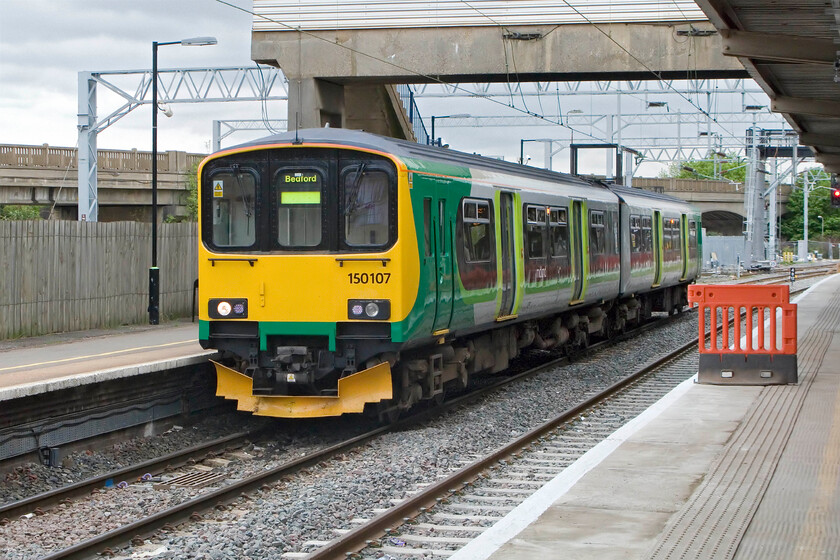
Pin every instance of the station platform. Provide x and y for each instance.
(709, 471)
(51, 363)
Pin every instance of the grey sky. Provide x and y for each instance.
(44, 44)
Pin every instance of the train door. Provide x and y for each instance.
(657, 248)
(441, 234)
(506, 225)
(577, 227)
(683, 246)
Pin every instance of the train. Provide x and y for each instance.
(344, 272)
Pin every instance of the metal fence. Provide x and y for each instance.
(413, 112)
(66, 275)
(724, 252)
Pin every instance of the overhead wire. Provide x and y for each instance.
(658, 75)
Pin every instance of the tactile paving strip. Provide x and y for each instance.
(712, 523)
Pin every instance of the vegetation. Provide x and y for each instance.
(729, 168)
(191, 202)
(13, 212)
(819, 204)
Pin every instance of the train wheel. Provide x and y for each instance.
(388, 412)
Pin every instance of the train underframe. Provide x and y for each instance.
(295, 369)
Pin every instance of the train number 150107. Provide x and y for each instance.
(369, 278)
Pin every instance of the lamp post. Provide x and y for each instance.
(549, 141)
(458, 116)
(154, 271)
(822, 226)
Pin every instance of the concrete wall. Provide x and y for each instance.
(68, 275)
(48, 176)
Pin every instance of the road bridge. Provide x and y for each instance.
(721, 202)
(341, 59)
(47, 176)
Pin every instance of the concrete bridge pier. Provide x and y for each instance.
(376, 108)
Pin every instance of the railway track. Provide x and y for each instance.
(441, 518)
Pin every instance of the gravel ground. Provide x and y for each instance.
(313, 503)
(33, 478)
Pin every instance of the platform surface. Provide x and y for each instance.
(709, 472)
(49, 363)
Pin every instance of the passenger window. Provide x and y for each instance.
(535, 228)
(299, 207)
(647, 234)
(233, 208)
(635, 234)
(597, 235)
(559, 232)
(427, 226)
(477, 235)
(366, 208)
(692, 239)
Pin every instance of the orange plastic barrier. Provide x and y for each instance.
(764, 353)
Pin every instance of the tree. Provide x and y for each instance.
(819, 204)
(729, 168)
(13, 212)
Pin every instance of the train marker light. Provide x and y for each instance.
(223, 308)
(371, 309)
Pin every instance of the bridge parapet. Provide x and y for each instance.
(50, 157)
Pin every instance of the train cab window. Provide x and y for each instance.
(535, 230)
(234, 195)
(299, 207)
(477, 233)
(559, 232)
(597, 233)
(366, 207)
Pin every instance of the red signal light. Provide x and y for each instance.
(835, 197)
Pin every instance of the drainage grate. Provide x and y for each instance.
(193, 480)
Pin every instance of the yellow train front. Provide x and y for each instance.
(306, 261)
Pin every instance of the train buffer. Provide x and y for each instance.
(764, 353)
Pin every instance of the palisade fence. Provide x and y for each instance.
(66, 275)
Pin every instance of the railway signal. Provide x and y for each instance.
(835, 196)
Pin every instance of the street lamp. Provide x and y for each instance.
(522, 147)
(154, 271)
(458, 116)
(822, 226)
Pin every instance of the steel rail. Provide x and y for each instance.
(50, 498)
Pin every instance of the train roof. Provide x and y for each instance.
(633, 195)
(408, 149)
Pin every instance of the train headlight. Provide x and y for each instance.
(228, 308)
(369, 309)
